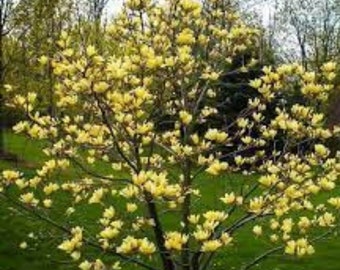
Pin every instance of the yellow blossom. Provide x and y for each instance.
(85, 265)
(211, 245)
(131, 207)
(217, 167)
(228, 198)
(257, 230)
(23, 245)
(186, 37)
(185, 117)
(175, 240)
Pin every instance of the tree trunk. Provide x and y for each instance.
(2, 102)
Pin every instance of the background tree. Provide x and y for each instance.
(308, 32)
(312, 27)
(91, 21)
(39, 24)
(6, 10)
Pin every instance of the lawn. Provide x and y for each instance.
(41, 254)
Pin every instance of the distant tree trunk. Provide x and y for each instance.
(51, 106)
(2, 117)
(3, 18)
(6, 9)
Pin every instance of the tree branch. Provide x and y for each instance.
(51, 222)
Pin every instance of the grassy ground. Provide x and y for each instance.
(41, 255)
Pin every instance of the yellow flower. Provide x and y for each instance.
(185, 117)
(309, 77)
(246, 139)
(257, 230)
(194, 219)
(109, 233)
(211, 245)
(311, 89)
(226, 239)
(302, 247)
(321, 150)
(137, 4)
(131, 207)
(229, 198)
(154, 62)
(329, 67)
(239, 200)
(186, 37)
(85, 265)
(116, 266)
(8, 88)
(256, 83)
(335, 202)
(290, 247)
(326, 220)
(304, 223)
(75, 255)
(201, 234)
(97, 196)
(129, 245)
(268, 180)
(23, 245)
(274, 238)
(195, 139)
(75, 242)
(109, 213)
(175, 240)
(91, 51)
(144, 128)
(68, 246)
(326, 184)
(10, 176)
(215, 135)
(47, 203)
(43, 60)
(213, 76)
(28, 198)
(50, 188)
(146, 247)
(98, 265)
(217, 167)
(189, 5)
(215, 216)
(256, 205)
(140, 179)
(287, 225)
(142, 93)
(101, 87)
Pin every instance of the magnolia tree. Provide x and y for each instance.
(146, 188)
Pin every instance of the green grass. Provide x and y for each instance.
(41, 254)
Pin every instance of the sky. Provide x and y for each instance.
(266, 10)
(114, 6)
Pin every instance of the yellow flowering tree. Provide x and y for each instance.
(169, 59)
